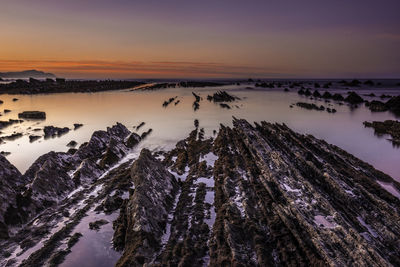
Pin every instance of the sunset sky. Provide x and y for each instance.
(202, 39)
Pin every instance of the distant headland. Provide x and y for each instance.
(26, 74)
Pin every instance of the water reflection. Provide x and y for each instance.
(99, 110)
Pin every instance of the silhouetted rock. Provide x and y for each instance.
(376, 106)
(316, 94)
(310, 106)
(4, 124)
(327, 95)
(223, 105)
(222, 96)
(389, 127)
(38, 115)
(369, 83)
(140, 125)
(62, 86)
(51, 131)
(12, 137)
(77, 126)
(72, 143)
(353, 98)
(337, 97)
(393, 104)
(145, 134)
(96, 225)
(133, 140)
(33, 138)
(169, 101)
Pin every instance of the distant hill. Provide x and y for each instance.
(26, 74)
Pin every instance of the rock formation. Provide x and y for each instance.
(256, 195)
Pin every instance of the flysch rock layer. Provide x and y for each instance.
(38, 203)
(256, 195)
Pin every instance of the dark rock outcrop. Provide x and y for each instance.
(389, 127)
(51, 131)
(222, 96)
(310, 106)
(55, 174)
(257, 195)
(10, 184)
(38, 115)
(147, 210)
(353, 98)
(77, 126)
(35, 86)
(376, 106)
(4, 124)
(33, 138)
(393, 105)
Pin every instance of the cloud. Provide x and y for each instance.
(137, 69)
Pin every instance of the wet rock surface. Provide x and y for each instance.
(255, 195)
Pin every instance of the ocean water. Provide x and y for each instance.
(97, 111)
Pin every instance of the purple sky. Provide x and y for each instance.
(100, 38)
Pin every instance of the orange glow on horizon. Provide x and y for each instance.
(134, 69)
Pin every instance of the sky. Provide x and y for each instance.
(202, 39)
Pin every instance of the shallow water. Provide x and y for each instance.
(100, 110)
